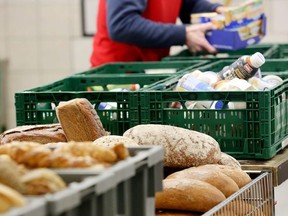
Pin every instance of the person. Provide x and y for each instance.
(144, 30)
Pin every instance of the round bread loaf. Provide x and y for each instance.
(183, 148)
(228, 160)
(188, 195)
(112, 140)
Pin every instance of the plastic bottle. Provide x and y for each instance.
(244, 67)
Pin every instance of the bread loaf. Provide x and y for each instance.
(79, 120)
(10, 198)
(239, 176)
(175, 213)
(41, 181)
(10, 173)
(183, 148)
(112, 140)
(216, 178)
(228, 160)
(188, 194)
(43, 134)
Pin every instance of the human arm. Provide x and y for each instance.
(126, 25)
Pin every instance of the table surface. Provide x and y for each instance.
(278, 165)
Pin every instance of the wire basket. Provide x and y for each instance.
(254, 199)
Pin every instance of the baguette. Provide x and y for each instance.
(216, 178)
(183, 148)
(43, 134)
(188, 195)
(79, 120)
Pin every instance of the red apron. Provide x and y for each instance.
(105, 50)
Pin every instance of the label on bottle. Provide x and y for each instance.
(239, 69)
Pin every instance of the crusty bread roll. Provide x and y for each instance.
(175, 213)
(10, 173)
(183, 147)
(112, 140)
(216, 178)
(228, 160)
(188, 195)
(242, 207)
(239, 176)
(42, 181)
(45, 133)
(79, 120)
(10, 198)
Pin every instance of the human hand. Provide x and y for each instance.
(196, 40)
(220, 9)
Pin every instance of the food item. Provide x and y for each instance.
(42, 181)
(188, 194)
(121, 152)
(10, 173)
(99, 153)
(17, 149)
(36, 133)
(111, 140)
(228, 160)
(79, 120)
(175, 213)
(183, 148)
(10, 198)
(241, 207)
(239, 176)
(221, 181)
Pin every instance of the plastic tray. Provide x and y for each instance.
(34, 207)
(37, 105)
(268, 50)
(126, 188)
(257, 132)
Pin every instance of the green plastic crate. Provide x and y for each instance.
(280, 53)
(37, 105)
(257, 132)
(268, 50)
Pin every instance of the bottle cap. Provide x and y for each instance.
(257, 60)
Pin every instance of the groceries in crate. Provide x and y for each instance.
(241, 25)
(115, 87)
(236, 77)
(244, 67)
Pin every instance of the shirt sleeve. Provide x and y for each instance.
(195, 6)
(126, 25)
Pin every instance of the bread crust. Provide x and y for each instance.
(79, 120)
(188, 195)
(46, 133)
(216, 178)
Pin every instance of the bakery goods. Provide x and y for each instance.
(121, 151)
(175, 213)
(10, 173)
(42, 181)
(10, 198)
(183, 147)
(79, 120)
(228, 160)
(239, 176)
(36, 133)
(188, 195)
(216, 178)
(111, 140)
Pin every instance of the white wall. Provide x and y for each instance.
(43, 43)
